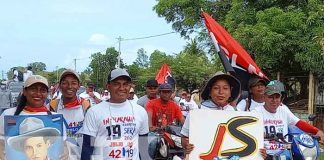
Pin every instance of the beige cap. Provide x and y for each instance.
(69, 72)
(131, 90)
(35, 79)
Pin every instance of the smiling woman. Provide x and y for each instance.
(30, 103)
(217, 94)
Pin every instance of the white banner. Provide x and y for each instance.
(222, 134)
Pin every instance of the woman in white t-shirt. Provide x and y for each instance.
(218, 93)
(31, 102)
(256, 87)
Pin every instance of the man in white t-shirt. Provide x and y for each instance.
(277, 118)
(187, 103)
(28, 73)
(105, 96)
(132, 96)
(93, 96)
(15, 74)
(73, 109)
(111, 129)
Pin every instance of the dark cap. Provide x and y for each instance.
(118, 72)
(254, 80)
(91, 84)
(152, 83)
(165, 86)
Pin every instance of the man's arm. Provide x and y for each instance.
(185, 137)
(304, 126)
(186, 145)
(95, 97)
(179, 115)
(87, 147)
(149, 110)
(151, 127)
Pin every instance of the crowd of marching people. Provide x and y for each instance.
(112, 125)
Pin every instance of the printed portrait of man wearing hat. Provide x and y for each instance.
(34, 139)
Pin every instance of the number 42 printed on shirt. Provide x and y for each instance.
(121, 153)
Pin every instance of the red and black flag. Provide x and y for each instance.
(165, 76)
(232, 54)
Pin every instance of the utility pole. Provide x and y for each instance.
(119, 53)
(57, 78)
(2, 72)
(75, 64)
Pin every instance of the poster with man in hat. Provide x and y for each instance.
(34, 137)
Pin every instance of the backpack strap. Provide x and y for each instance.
(53, 105)
(84, 102)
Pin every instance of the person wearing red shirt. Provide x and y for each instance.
(163, 111)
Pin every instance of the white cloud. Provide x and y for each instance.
(98, 39)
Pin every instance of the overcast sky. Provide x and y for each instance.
(57, 31)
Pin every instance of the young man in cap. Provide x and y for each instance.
(111, 129)
(73, 109)
(93, 96)
(132, 96)
(151, 92)
(277, 118)
(163, 111)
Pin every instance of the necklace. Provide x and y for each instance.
(111, 117)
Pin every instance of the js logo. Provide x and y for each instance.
(233, 128)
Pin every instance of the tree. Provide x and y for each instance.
(185, 14)
(283, 35)
(10, 72)
(38, 66)
(194, 48)
(192, 70)
(142, 59)
(102, 64)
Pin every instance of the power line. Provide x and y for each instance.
(119, 40)
(157, 35)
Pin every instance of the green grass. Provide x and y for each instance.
(322, 154)
(321, 157)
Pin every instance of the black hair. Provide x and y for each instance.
(22, 101)
(29, 67)
(248, 102)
